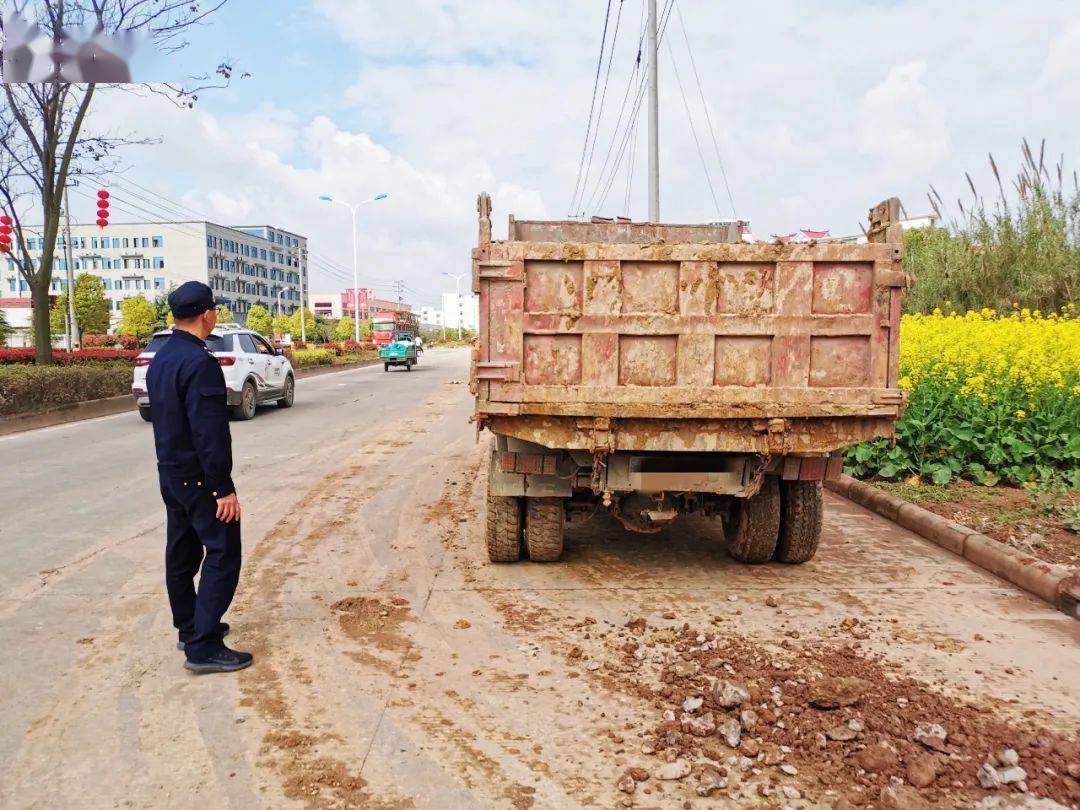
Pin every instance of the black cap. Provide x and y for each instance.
(190, 299)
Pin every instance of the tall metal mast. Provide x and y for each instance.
(654, 119)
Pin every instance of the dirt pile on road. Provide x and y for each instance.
(782, 722)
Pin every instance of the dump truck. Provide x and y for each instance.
(658, 370)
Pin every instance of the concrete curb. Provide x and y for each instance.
(75, 412)
(1052, 583)
(95, 408)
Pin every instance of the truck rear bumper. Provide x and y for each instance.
(520, 468)
(774, 437)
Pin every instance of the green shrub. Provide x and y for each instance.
(26, 389)
(308, 358)
(1024, 250)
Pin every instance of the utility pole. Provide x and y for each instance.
(300, 254)
(73, 325)
(654, 119)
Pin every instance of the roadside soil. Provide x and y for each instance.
(1031, 520)
(398, 668)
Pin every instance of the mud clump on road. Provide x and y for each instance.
(378, 622)
(778, 720)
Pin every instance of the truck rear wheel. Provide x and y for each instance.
(545, 527)
(503, 528)
(755, 524)
(800, 521)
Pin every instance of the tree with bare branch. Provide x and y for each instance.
(44, 139)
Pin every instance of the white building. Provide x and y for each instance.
(431, 316)
(460, 311)
(245, 265)
(326, 305)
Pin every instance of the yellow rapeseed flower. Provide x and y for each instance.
(1017, 357)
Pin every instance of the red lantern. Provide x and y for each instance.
(5, 234)
(102, 208)
(5, 220)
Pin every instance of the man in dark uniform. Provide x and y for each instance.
(194, 450)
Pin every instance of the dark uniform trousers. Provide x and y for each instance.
(192, 527)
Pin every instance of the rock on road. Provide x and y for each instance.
(396, 668)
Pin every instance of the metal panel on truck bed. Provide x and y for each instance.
(675, 329)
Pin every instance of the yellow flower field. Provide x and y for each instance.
(992, 396)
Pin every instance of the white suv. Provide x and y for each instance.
(255, 372)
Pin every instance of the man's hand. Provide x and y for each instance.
(228, 508)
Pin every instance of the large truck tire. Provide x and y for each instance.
(755, 524)
(800, 521)
(545, 528)
(503, 528)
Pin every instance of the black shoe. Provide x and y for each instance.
(224, 626)
(225, 660)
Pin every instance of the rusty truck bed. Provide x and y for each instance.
(674, 338)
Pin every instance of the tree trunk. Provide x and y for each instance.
(42, 334)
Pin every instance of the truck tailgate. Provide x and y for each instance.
(680, 329)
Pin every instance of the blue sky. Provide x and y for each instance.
(820, 110)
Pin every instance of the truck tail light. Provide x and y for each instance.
(226, 361)
(143, 361)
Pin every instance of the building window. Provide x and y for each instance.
(159, 262)
(116, 243)
(157, 241)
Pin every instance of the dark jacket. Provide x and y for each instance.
(190, 412)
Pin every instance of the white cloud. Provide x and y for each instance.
(818, 116)
(901, 122)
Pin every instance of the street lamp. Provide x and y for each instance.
(281, 292)
(457, 277)
(355, 271)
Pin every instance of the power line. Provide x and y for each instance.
(603, 95)
(170, 207)
(705, 105)
(634, 137)
(622, 111)
(630, 169)
(605, 186)
(693, 130)
(592, 104)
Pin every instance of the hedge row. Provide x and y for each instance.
(26, 389)
(308, 358)
(26, 356)
(90, 341)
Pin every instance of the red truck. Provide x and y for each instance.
(391, 322)
(655, 370)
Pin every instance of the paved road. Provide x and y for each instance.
(396, 668)
(83, 525)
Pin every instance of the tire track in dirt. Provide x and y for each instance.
(308, 772)
(316, 765)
